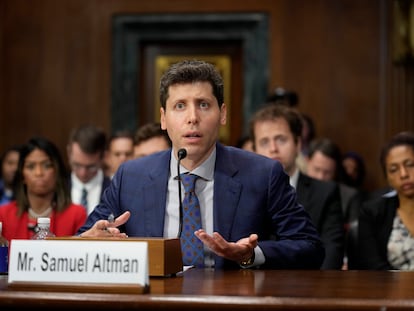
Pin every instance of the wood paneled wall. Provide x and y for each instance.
(55, 61)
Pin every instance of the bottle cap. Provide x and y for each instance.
(43, 221)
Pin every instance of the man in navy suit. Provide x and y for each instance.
(276, 131)
(250, 215)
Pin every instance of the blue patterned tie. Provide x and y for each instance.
(84, 198)
(192, 247)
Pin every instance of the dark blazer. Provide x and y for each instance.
(251, 195)
(376, 218)
(322, 201)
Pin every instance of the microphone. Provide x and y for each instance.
(181, 154)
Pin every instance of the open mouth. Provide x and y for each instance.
(192, 135)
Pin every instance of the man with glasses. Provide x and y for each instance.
(86, 149)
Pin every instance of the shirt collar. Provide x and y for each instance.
(205, 170)
(96, 180)
(293, 180)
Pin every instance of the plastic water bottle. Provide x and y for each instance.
(43, 225)
(4, 252)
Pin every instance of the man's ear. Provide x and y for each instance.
(223, 114)
(162, 119)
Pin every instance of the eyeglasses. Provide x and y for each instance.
(91, 168)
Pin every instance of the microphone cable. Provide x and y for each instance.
(181, 154)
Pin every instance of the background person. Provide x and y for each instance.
(8, 165)
(276, 132)
(354, 170)
(386, 224)
(86, 150)
(120, 149)
(324, 163)
(150, 138)
(41, 191)
(245, 142)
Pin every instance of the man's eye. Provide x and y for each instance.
(263, 143)
(204, 105)
(280, 140)
(179, 106)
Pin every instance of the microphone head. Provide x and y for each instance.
(182, 153)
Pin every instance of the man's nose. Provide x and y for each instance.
(192, 114)
(273, 146)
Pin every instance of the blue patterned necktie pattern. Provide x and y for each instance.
(192, 248)
(84, 198)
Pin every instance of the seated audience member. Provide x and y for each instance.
(290, 99)
(324, 163)
(354, 170)
(245, 142)
(386, 224)
(8, 165)
(276, 131)
(86, 150)
(308, 135)
(150, 138)
(249, 213)
(41, 191)
(354, 176)
(120, 149)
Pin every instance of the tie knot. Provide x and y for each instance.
(189, 181)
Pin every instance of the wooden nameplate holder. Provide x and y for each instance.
(165, 258)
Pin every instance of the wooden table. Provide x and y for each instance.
(236, 290)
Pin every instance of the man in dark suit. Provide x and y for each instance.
(276, 131)
(249, 212)
(86, 150)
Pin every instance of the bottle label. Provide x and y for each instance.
(4, 259)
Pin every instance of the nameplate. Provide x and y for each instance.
(76, 262)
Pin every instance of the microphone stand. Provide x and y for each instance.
(182, 153)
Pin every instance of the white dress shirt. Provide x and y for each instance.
(94, 188)
(204, 189)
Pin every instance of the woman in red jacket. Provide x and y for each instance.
(41, 190)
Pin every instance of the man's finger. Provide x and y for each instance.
(122, 219)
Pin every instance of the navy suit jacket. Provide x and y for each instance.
(252, 194)
(322, 200)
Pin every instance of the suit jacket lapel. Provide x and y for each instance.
(303, 188)
(155, 200)
(226, 193)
